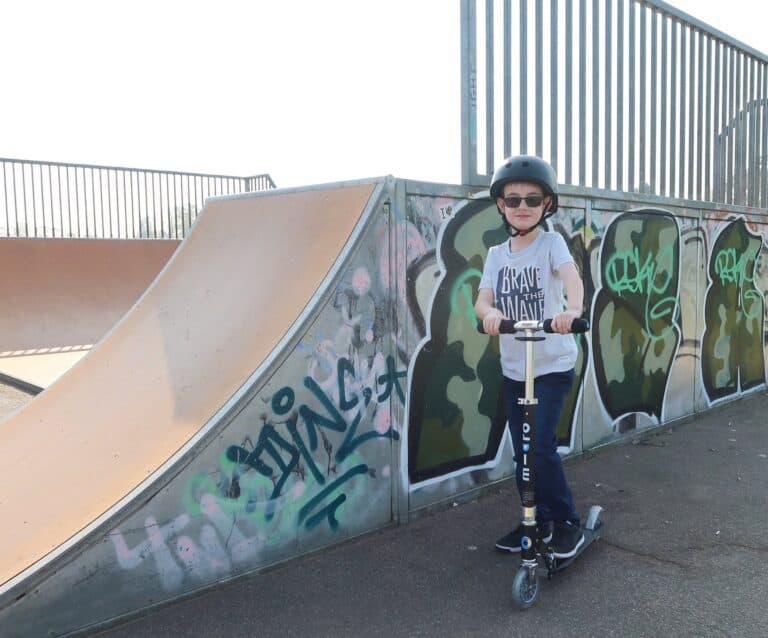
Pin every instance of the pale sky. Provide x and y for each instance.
(308, 91)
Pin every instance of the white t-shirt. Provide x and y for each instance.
(526, 285)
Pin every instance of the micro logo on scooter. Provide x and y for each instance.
(525, 542)
(526, 447)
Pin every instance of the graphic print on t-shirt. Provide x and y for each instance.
(518, 293)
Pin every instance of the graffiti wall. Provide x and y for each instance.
(386, 402)
(676, 300)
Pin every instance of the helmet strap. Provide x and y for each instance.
(516, 232)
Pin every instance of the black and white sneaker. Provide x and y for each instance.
(567, 539)
(512, 541)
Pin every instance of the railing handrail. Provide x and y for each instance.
(40, 198)
(694, 22)
(136, 169)
(655, 100)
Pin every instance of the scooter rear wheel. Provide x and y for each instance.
(525, 587)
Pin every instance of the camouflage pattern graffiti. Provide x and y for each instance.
(732, 354)
(456, 414)
(635, 331)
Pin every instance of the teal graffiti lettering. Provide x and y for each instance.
(626, 272)
(276, 457)
(390, 380)
(734, 269)
(329, 511)
(462, 288)
(270, 444)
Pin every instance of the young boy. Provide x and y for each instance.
(523, 279)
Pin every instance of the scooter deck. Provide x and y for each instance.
(590, 536)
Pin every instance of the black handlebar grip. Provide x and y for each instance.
(579, 325)
(507, 326)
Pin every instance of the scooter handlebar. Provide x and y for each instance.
(508, 326)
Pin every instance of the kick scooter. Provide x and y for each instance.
(525, 586)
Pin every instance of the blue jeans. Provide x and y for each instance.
(554, 501)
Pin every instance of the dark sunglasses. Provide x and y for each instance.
(532, 201)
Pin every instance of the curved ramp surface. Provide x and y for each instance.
(61, 296)
(249, 267)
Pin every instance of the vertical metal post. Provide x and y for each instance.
(595, 93)
(101, 202)
(468, 93)
(50, 200)
(109, 196)
(168, 206)
(764, 136)
(15, 200)
(582, 93)
(569, 91)
(691, 115)
(700, 116)
(78, 181)
(124, 216)
(620, 94)
(489, 99)
(33, 197)
(654, 92)
(632, 81)
(643, 112)
(61, 207)
(539, 80)
(673, 108)
(26, 208)
(752, 145)
(717, 194)
(663, 118)
(69, 202)
(738, 133)
(708, 126)
(683, 111)
(523, 76)
(177, 210)
(507, 66)
(729, 170)
(554, 115)
(608, 93)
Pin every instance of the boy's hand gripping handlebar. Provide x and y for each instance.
(508, 326)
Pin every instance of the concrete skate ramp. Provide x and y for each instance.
(61, 296)
(245, 273)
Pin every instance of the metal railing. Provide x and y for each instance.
(627, 95)
(50, 199)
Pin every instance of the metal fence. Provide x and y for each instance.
(48, 199)
(627, 95)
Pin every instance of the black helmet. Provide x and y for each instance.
(525, 168)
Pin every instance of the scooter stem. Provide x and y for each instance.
(529, 402)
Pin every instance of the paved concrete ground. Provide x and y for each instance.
(683, 554)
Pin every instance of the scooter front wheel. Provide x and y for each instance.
(525, 587)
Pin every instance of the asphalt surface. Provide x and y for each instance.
(682, 553)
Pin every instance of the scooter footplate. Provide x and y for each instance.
(590, 536)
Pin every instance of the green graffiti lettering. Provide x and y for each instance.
(462, 288)
(734, 269)
(626, 272)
